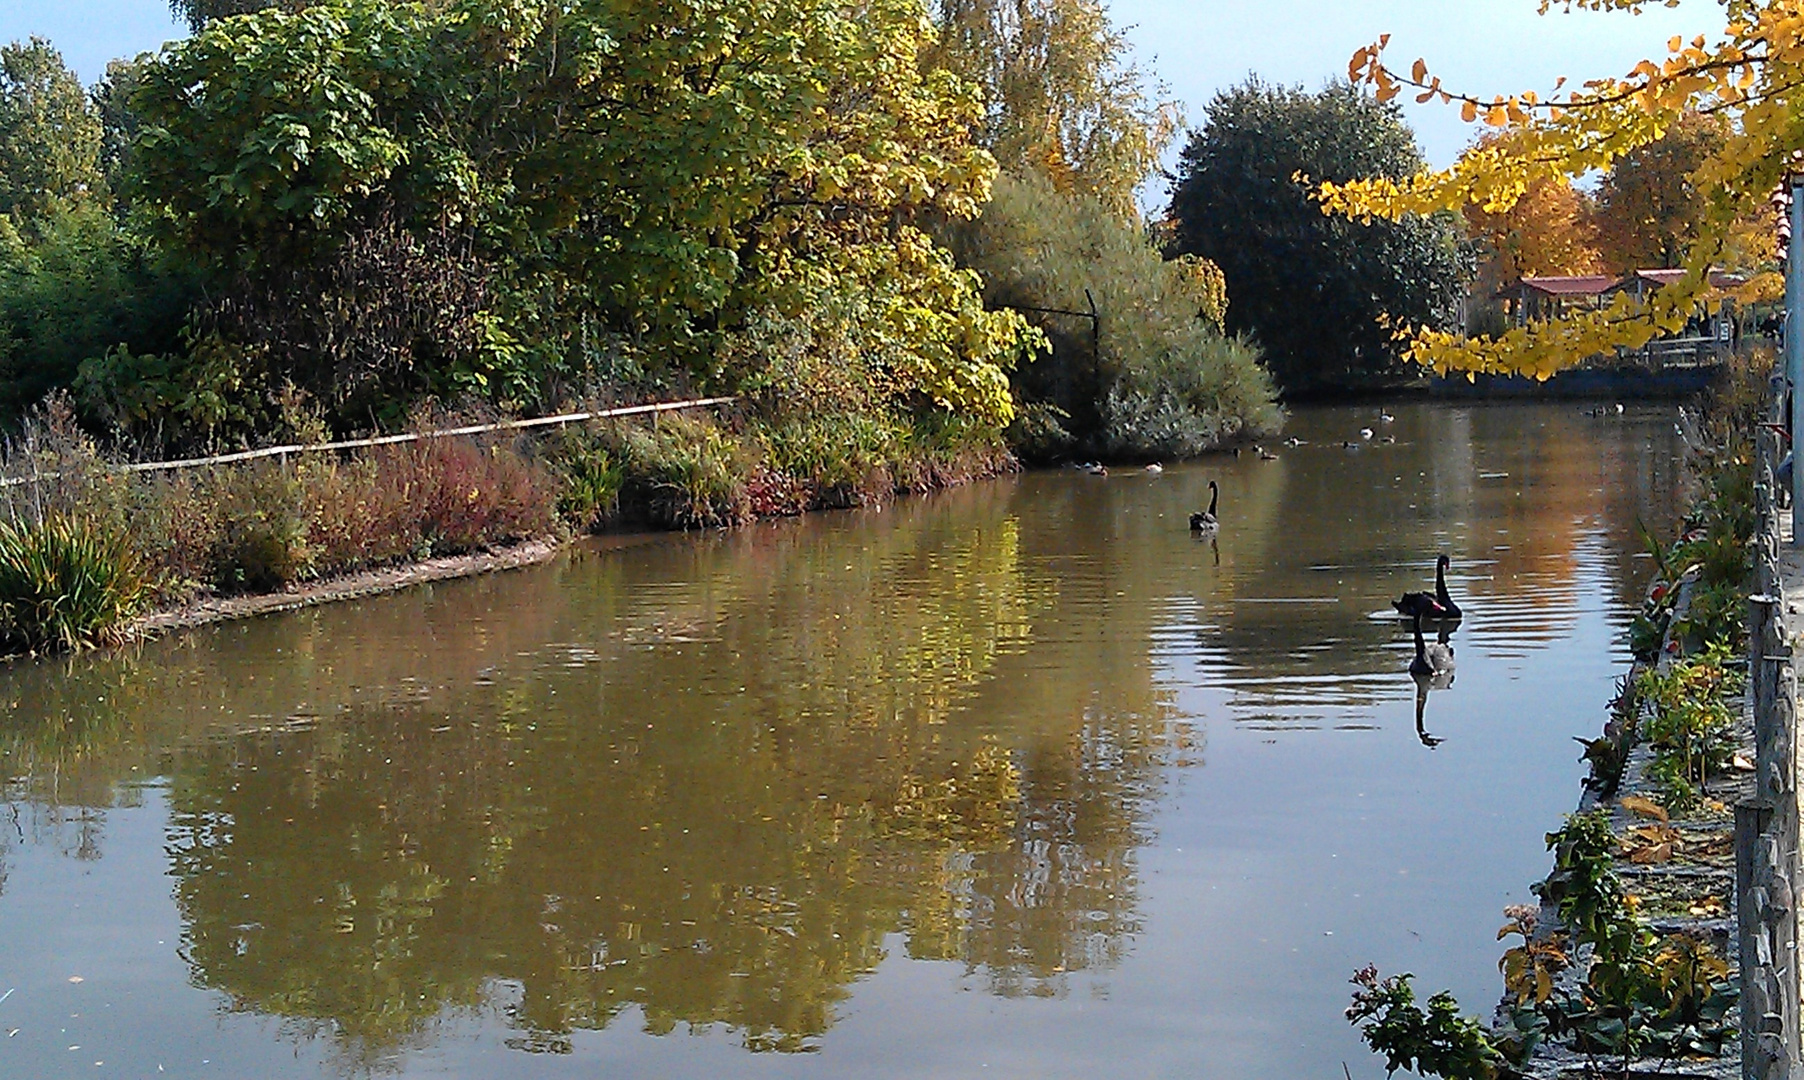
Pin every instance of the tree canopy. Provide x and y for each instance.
(1061, 98)
(49, 137)
(1746, 76)
(501, 193)
(1312, 289)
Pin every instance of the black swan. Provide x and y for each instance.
(1434, 605)
(1205, 521)
(1431, 660)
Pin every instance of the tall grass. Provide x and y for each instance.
(86, 545)
(65, 583)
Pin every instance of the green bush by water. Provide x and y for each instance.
(1158, 378)
(65, 584)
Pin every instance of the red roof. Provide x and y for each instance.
(1576, 285)
(1599, 284)
(1718, 279)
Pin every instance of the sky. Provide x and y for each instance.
(1196, 47)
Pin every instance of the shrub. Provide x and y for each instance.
(686, 473)
(64, 584)
(589, 478)
(1158, 378)
(261, 540)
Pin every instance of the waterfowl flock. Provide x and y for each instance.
(1432, 666)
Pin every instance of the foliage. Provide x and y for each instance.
(81, 285)
(1692, 729)
(686, 473)
(590, 478)
(1648, 213)
(198, 13)
(1238, 203)
(1584, 887)
(1158, 378)
(1529, 968)
(1748, 77)
(65, 583)
(49, 136)
(1548, 231)
(1061, 99)
(1641, 994)
(610, 178)
(111, 102)
(1608, 754)
(1438, 1042)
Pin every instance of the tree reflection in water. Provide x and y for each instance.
(719, 830)
(715, 779)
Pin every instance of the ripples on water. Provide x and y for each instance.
(1024, 780)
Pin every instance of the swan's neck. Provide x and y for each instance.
(1421, 647)
(1214, 494)
(1440, 583)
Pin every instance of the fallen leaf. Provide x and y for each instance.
(1642, 807)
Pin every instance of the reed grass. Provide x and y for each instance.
(66, 584)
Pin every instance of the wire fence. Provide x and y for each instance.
(389, 440)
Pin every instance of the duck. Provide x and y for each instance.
(1293, 441)
(1205, 522)
(1265, 455)
(1432, 661)
(1435, 605)
(1388, 440)
(1386, 418)
(1095, 468)
(1365, 432)
(1155, 468)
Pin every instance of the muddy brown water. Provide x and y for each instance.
(1019, 781)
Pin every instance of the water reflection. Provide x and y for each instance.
(716, 782)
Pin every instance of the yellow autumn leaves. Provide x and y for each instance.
(1752, 74)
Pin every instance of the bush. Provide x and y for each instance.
(74, 287)
(590, 478)
(685, 472)
(1159, 378)
(64, 584)
(260, 542)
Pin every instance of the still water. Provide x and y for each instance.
(1019, 781)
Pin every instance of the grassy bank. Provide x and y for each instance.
(86, 548)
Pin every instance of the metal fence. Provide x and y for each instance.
(1766, 823)
(390, 440)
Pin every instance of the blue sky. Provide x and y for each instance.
(1196, 46)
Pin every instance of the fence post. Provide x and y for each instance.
(1759, 1018)
(1766, 852)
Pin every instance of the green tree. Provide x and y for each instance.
(1313, 289)
(601, 180)
(198, 13)
(49, 135)
(80, 286)
(1155, 377)
(111, 98)
(1061, 97)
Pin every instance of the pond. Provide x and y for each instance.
(1023, 780)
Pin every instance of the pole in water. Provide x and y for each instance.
(1794, 352)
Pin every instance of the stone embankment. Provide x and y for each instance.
(1723, 873)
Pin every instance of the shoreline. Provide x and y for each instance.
(353, 586)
